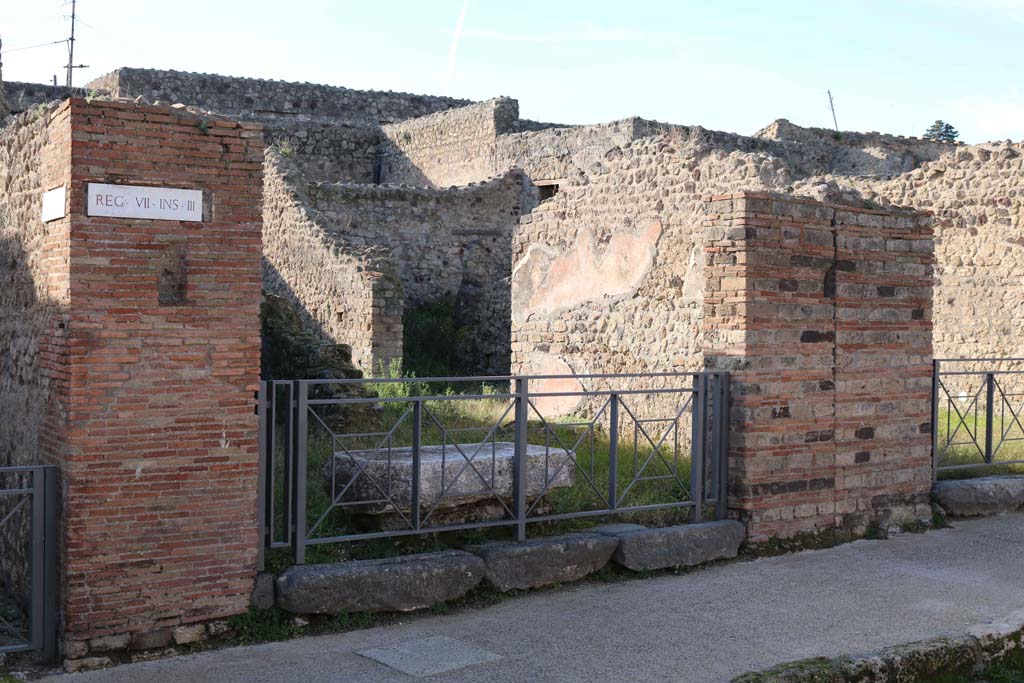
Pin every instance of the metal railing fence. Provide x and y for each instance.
(361, 459)
(977, 413)
(28, 560)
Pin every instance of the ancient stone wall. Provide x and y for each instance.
(34, 296)
(565, 154)
(22, 97)
(267, 98)
(608, 275)
(454, 147)
(852, 153)
(821, 313)
(348, 293)
(977, 195)
(339, 153)
(34, 291)
(446, 244)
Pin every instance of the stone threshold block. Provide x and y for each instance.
(545, 561)
(686, 545)
(979, 497)
(465, 474)
(397, 584)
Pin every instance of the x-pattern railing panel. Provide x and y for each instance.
(977, 413)
(527, 466)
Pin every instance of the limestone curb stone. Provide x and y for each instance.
(545, 561)
(981, 646)
(399, 584)
(979, 497)
(685, 545)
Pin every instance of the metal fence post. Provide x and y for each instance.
(417, 429)
(613, 452)
(261, 476)
(936, 388)
(519, 464)
(301, 442)
(50, 574)
(697, 447)
(990, 413)
(38, 580)
(718, 454)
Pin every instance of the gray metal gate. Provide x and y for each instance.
(28, 560)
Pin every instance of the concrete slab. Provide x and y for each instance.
(430, 656)
(704, 627)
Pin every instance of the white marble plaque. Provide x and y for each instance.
(53, 204)
(139, 201)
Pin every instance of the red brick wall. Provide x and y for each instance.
(161, 464)
(823, 316)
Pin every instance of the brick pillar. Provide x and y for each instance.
(824, 370)
(160, 451)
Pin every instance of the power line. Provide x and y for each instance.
(33, 47)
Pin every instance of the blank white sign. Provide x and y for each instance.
(53, 204)
(139, 201)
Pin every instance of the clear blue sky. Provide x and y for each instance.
(892, 66)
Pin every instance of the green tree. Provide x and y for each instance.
(940, 131)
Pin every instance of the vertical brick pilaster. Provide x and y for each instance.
(161, 454)
(779, 317)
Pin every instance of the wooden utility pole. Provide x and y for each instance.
(71, 50)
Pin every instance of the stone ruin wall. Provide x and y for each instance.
(977, 195)
(446, 245)
(34, 298)
(331, 245)
(336, 134)
(22, 97)
(346, 293)
(33, 291)
(608, 274)
(454, 147)
(258, 97)
(326, 152)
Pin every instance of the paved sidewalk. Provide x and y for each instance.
(701, 628)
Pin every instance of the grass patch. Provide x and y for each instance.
(962, 440)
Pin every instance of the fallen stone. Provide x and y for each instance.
(398, 584)
(189, 633)
(979, 497)
(263, 591)
(152, 639)
(443, 470)
(110, 643)
(545, 561)
(679, 546)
